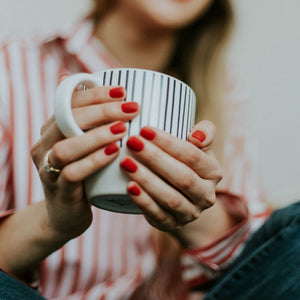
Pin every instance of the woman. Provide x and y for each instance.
(53, 237)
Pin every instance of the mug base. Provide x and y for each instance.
(115, 203)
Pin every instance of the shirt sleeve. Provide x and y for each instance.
(240, 192)
(7, 205)
(6, 191)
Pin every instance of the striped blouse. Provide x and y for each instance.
(116, 257)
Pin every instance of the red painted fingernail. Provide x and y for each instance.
(116, 92)
(199, 135)
(129, 165)
(147, 133)
(118, 128)
(135, 143)
(111, 149)
(134, 190)
(130, 107)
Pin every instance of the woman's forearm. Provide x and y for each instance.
(25, 240)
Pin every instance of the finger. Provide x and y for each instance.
(79, 170)
(74, 148)
(98, 95)
(155, 214)
(203, 164)
(163, 194)
(95, 95)
(88, 117)
(203, 134)
(200, 191)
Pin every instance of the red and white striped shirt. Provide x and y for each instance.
(115, 258)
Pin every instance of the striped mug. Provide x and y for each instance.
(166, 103)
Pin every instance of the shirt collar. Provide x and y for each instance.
(80, 42)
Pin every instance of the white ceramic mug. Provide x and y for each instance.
(166, 103)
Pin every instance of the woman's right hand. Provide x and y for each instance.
(101, 113)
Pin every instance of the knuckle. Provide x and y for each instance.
(69, 175)
(165, 221)
(60, 152)
(209, 198)
(174, 203)
(187, 180)
(192, 157)
(218, 174)
(162, 218)
(34, 152)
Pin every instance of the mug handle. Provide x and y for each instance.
(62, 102)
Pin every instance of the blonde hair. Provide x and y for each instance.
(197, 59)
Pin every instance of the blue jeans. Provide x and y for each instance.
(269, 266)
(12, 289)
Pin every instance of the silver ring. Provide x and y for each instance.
(47, 166)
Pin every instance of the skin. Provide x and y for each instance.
(190, 166)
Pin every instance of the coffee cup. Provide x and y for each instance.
(166, 103)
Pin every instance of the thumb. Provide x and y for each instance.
(203, 134)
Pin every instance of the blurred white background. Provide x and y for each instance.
(265, 53)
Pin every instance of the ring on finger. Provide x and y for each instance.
(47, 165)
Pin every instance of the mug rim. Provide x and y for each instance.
(145, 70)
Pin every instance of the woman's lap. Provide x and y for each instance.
(269, 266)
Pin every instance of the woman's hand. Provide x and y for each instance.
(172, 181)
(101, 113)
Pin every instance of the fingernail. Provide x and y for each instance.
(63, 75)
(129, 165)
(118, 128)
(116, 92)
(111, 149)
(134, 190)
(135, 143)
(147, 133)
(130, 107)
(199, 135)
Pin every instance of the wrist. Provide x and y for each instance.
(62, 227)
(213, 223)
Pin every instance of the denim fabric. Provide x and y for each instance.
(12, 289)
(269, 266)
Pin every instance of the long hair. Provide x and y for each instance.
(197, 59)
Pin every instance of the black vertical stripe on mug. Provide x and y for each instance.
(188, 114)
(119, 77)
(119, 82)
(132, 97)
(111, 77)
(179, 110)
(166, 106)
(151, 98)
(183, 115)
(126, 83)
(160, 99)
(142, 101)
(103, 79)
(172, 107)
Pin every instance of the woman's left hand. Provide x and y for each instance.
(172, 181)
